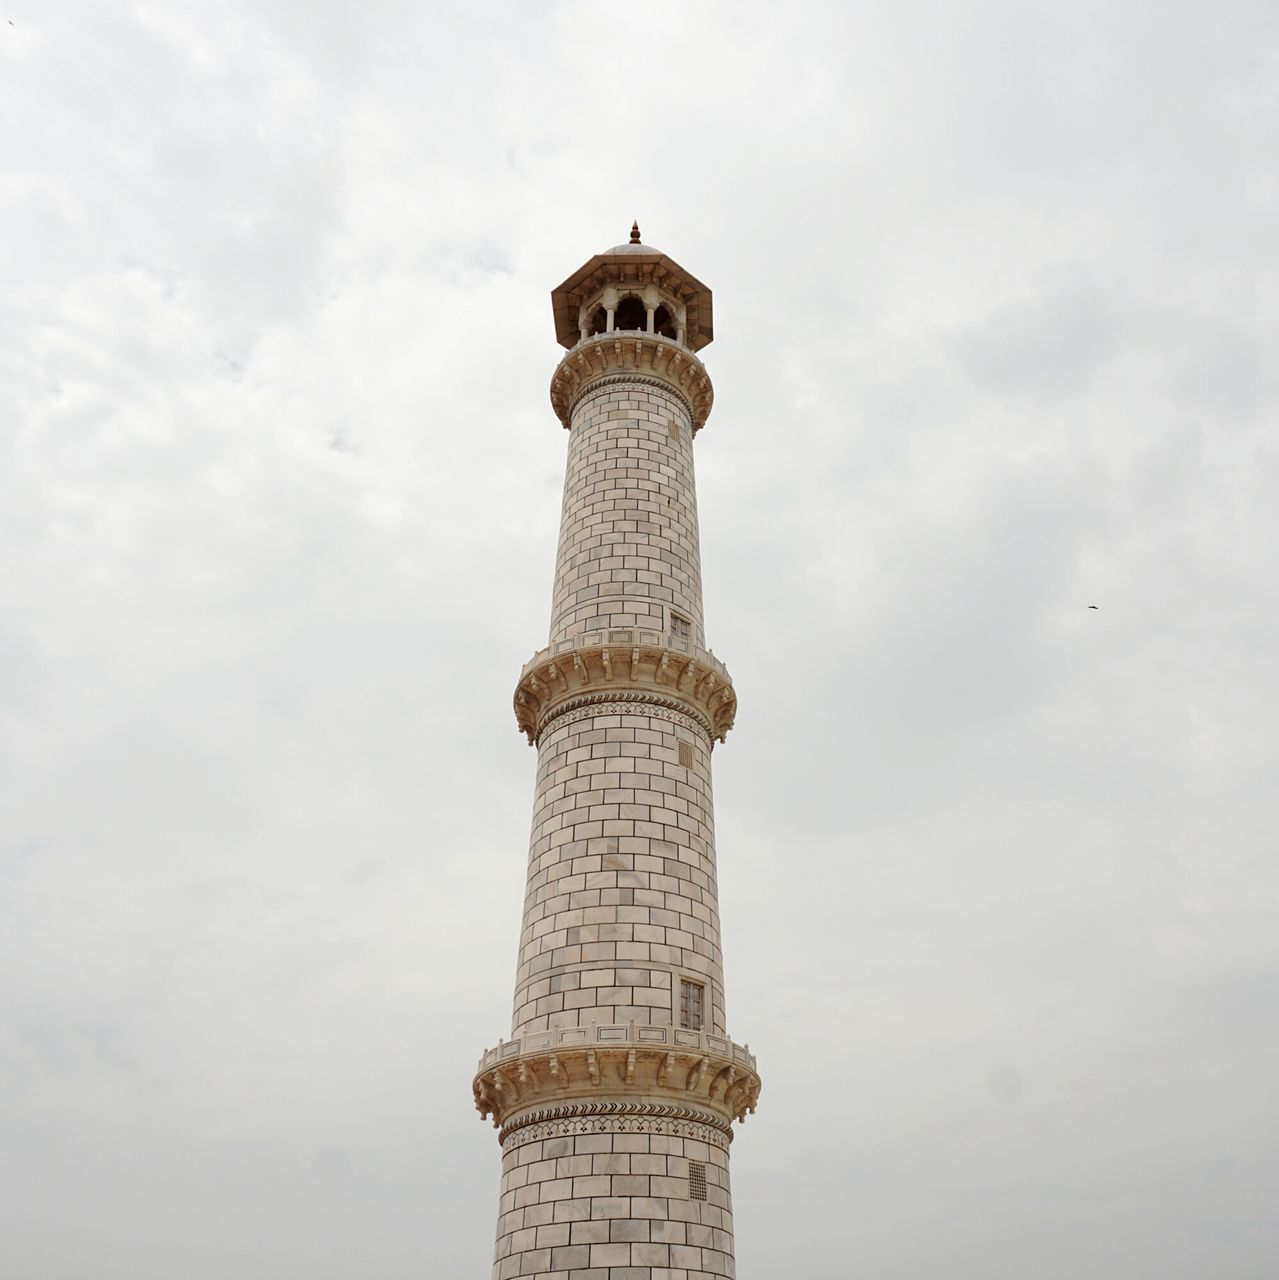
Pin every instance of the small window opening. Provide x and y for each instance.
(630, 314)
(686, 755)
(690, 1004)
(663, 323)
(599, 321)
(696, 1180)
(680, 628)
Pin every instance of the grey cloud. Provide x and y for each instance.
(1049, 343)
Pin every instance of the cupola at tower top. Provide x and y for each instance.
(633, 288)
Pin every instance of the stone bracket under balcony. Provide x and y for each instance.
(625, 665)
(634, 355)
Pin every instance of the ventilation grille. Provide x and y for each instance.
(673, 430)
(696, 1180)
(686, 754)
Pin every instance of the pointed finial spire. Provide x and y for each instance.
(635, 232)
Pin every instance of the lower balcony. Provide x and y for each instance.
(617, 1062)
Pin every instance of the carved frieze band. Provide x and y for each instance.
(646, 668)
(615, 1117)
(608, 705)
(600, 385)
(632, 357)
(614, 703)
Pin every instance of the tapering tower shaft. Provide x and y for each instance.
(616, 1091)
(628, 553)
(624, 783)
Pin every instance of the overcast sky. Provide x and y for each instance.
(995, 312)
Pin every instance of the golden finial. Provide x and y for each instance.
(635, 232)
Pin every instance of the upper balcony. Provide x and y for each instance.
(633, 288)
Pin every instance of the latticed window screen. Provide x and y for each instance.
(696, 1180)
(686, 755)
(679, 627)
(690, 1005)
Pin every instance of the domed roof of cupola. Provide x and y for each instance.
(633, 265)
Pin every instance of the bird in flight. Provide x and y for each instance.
(1093, 606)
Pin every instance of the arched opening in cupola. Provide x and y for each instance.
(599, 321)
(663, 323)
(630, 314)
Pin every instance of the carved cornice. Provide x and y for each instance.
(632, 357)
(626, 666)
(619, 1071)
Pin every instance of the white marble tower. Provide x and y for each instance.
(616, 1092)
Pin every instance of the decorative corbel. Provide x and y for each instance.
(697, 1075)
(582, 674)
(664, 1070)
(662, 668)
(501, 1087)
(608, 664)
(592, 1066)
(728, 1075)
(630, 1067)
(528, 1078)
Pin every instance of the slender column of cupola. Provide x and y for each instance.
(616, 1092)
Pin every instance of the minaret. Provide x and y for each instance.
(616, 1093)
